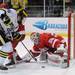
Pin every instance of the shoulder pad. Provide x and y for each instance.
(1, 12)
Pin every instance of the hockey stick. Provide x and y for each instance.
(29, 51)
(2, 40)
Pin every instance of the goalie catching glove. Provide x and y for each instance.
(61, 48)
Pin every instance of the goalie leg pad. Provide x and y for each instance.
(64, 61)
(27, 57)
(57, 60)
(54, 58)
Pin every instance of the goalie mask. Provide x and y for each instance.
(35, 37)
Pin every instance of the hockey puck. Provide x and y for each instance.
(42, 66)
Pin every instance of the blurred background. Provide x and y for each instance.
(43, 8)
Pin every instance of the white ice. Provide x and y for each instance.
(36, 67)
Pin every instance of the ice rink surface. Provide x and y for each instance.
(36, 68)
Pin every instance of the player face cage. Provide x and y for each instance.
(34, 36)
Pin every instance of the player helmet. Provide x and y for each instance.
(3, 5)
(35, 37)
(1, 12)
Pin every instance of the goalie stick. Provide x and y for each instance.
(29, 51)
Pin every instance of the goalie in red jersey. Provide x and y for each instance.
(49, 46)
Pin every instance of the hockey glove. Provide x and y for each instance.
(17, 36)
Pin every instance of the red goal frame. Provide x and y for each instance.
(69, 38)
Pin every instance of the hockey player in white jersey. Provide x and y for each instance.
(6, 50)
(8, 31)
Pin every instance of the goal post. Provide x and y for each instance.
(74, 36)
(71, 32)
(69, 38)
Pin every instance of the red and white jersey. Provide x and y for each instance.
(47, 40)
(21, 29)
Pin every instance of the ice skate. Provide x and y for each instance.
(3, 67)
(12, 62)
